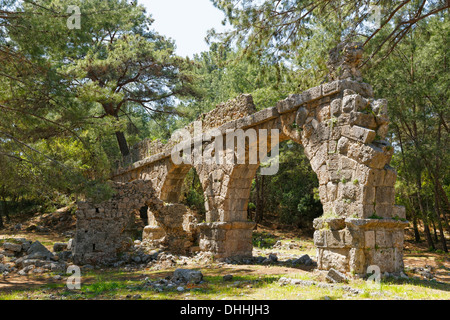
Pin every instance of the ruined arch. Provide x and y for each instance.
(173, 181)
(342, 129)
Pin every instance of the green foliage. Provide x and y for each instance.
(221, 76)
(290, 194)
(192, 193)
(263, 239)
(302, 31)
(416, 80)
(66, 95)
(375, 216)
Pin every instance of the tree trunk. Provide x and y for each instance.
(416, 230)
(424, 218)
(434, 231)
(438, 218)
(123, 146)
(5, 205)
(414, 218)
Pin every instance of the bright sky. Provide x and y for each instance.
(185, 21)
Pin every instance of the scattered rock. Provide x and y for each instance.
(59, 246)
(335, 276)
(273, 257)
(187, 275)
(305, 260)
(228, 277)
(25, 270)
(4, 267)
(70, 244)
(64, 255)
(180, 289)
(39, 249)
(15, 247)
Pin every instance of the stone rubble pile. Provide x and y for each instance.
(22, 256)
(308, 283)
(287, 245)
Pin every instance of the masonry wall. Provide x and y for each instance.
(106, 229)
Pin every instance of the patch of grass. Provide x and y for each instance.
(375, 216)
(263, 239)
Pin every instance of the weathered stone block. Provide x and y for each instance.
(357, 260)
(334, 258)
(336, 276)
(399, 212)
(319, 238)
(312, 94)
(335, 239)
(390, 176)
(335, 107)
(332, 191)
(15, 247)
(330, 88)
(342, 146)
(385, 195)
(365, 120)
(358, 133)
(368, 195)
(383, 210)
(369, 239)
(300, 118)
(398, 238)
(290, 103)
(383, 239)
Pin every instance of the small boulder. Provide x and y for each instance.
(187, 275)
(304, 259)
(227, 277)
(273, 257)
(15, 247)
(39, 250)
(70, 244)
(59, 246)
(335, 276)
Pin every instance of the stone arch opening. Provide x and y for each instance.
(192, 195)
(173, 182)
(292, 192)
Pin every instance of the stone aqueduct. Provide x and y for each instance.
(342, 129)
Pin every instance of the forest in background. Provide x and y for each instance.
(73, 101)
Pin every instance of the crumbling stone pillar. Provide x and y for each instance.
(227, 239)
(173, 228)
(352, 245)
(226, 231)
